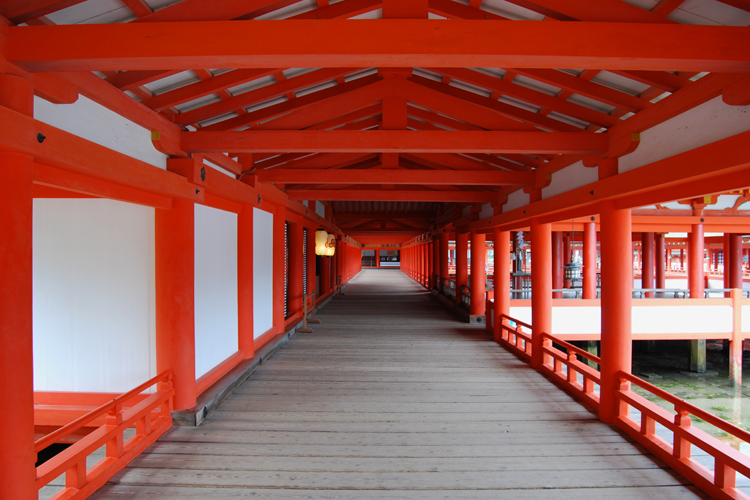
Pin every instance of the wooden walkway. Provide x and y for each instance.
(391, 398)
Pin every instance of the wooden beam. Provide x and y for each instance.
(390, 176)
(393, 141)
(382, 42)
(392, 195)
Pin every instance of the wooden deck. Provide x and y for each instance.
(390, 398)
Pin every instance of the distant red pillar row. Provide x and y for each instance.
(616, 304)
(661, 261)
(246, 342)
(478, 274)
(462, 269)
(647, 262)
(17, 472)
(444, 239)
(501, 278)
(542, 266)
(589, 260)
(175, 298)
(696, 283)
(557, 263)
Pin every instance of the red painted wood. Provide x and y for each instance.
(541, 283)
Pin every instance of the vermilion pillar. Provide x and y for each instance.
(462, 269)
(589, 260)
(541, 287)
(696, 245)
(295, 268)
(696, 286)
(325, 275)
(279, 236)
(567, 256)
(734, 261)
(436, 263)
(311, 261)
(478, 274)
(557, 263)
(430, 261)
(660, 260)
(175, 292)
(647, 262)
(245, 342)
(17, 472)
(616, 302)
(502, 278)
(444, 263)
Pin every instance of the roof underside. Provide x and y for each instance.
(377, 183)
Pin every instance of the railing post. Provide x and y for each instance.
(305, 328)
(681, 446)
(314, 308)
(113, 420)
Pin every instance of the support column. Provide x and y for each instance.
(733, 261)
(501, 278)
(430, 261)
(175, 296)
(245, 341)
(660, 261)
(478, 274)
(647, 263)
(567, 256)
(279, 235)
(295, 269)
(444, 264)
(311, 262)
(616, 300)
(436, 263)
(17, 472)
(696, 286)
(557, 263)
(541, 287)
(325, 275)
(462, 269)
(589, 260)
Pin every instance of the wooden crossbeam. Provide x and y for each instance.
(390, 176)
(383, 43)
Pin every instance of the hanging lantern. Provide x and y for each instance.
(331, 245)
(572, 270)
(321, 240)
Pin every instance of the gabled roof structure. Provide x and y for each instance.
(406, 112)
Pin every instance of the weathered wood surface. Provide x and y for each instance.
(391, 398)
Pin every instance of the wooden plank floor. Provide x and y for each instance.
(389, 398)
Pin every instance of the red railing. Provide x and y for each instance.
(513, 336)
(565, 365)
(719, 482)
(567, 369)
(150, 416)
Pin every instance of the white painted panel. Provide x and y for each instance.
(516, 199)
(745, 323)
(94, 324)
(94, 122)
(572, 177)
(682, 319)
(576, 320)
(262, 272)
(487, 211)
(697, 127)
(521, 314)
(216, 323)
(320, 209)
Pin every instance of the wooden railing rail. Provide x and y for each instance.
(150, 417)
(719, 483)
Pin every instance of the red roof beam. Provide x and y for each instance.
(390, 176)
(381, 42)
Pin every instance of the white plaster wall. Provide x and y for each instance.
(94, 325)
(569, 178)
(682, 319)
(94, 122)
(516, 199)
(320, 209)
(521, 314)
(704, 124)
(216, 323)
(262, 272)
(745, 322)
(487, 211)
(576, 320)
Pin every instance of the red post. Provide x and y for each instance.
(175, 303)
(478, 274)
(502, 278)
(436, 262)
(661, 260)
(17, 472)
(733, 262)
(541, 288)
(616, 300)
(295, 268)
(696, 283)
(589, 260)
(647, 264)
(557, 263)
(311, 261)
(246, 341)
(567, 255)
(444, 264)
(462, 269)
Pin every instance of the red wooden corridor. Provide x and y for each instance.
(391, 397)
